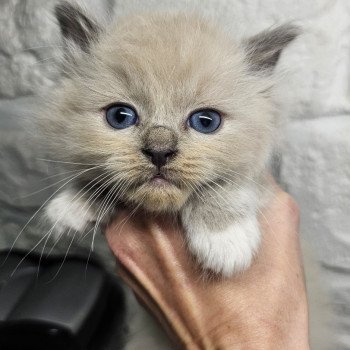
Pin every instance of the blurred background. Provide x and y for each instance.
(314, 101)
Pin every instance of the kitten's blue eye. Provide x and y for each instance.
(120, 116)
(205, 121)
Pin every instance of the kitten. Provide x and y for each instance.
(167, 113)
(171, 115)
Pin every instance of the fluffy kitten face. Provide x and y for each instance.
(165, 67)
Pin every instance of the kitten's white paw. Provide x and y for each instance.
(68, 212)
(226, 252)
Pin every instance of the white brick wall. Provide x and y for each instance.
(314, 98)
(316, 171)
(26, 35)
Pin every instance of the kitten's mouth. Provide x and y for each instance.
(160, 180)
(159, 191)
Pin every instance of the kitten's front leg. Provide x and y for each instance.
(69, 211)
(223, 251)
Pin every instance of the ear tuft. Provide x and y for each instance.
(76, 26)
(264, 49)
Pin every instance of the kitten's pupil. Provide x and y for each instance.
(205, 120)
(120, 115)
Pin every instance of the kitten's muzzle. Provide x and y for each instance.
(159, 158)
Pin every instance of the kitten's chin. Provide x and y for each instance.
(159, 196)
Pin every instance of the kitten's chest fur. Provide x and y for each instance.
(220, 222)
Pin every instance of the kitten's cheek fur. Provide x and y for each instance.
(224, 252)
(70, 212)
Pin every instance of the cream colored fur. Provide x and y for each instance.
(167, 66)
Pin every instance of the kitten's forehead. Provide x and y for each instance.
(171, 61)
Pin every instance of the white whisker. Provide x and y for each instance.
(64, 259)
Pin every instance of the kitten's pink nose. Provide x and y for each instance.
(159, 158)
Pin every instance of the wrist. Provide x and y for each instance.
(255, 336)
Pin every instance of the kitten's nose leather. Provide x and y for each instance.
(159, 158)
(159, 144)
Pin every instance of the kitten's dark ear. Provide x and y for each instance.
(264, 49)
(75, 26)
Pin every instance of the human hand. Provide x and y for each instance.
(263, 308)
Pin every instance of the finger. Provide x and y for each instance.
(145, 299)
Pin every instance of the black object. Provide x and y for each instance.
(70, 306)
